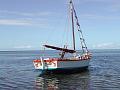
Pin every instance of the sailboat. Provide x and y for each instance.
(63, 64)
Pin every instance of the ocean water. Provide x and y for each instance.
(17, 72)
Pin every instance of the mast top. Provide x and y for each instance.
(70, 1)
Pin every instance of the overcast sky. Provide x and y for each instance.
(27, 24)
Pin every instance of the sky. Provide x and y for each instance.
(28, 24)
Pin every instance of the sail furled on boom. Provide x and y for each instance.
(61, 49)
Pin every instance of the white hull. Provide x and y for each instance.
(73, 64)
(53, 64)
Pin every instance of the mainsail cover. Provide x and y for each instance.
(61, 49)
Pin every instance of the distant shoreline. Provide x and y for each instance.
(56, 50)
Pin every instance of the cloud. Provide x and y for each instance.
(27, 14)
(112, 6)
(24, 18)
(36, 14)
(15, 22)
(103, 1)
(100, 17)
(23, 22)
(23, 47)
(107, 46)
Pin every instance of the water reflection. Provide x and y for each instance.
(78, 81)
(46, 83)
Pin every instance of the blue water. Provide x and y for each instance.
(17, 72)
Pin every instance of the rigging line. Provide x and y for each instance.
(68, 26)
(65, 32)
(43, 51)
(48, 36)
(53, 31)
(83, 44)
(65, 38)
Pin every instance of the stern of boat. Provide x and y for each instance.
(45, 64)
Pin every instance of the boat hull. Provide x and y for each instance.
(72, 64)
(61, 65)
(67, 70)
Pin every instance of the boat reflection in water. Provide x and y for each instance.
(48, 83)
(79, 81)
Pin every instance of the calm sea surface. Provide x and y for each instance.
(17, 72)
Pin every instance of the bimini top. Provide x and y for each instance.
(61, 49)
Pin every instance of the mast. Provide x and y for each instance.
(83, 44)
(71, 7)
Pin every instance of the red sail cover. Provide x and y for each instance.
(61, 49)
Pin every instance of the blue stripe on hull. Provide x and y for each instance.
(66, 70)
